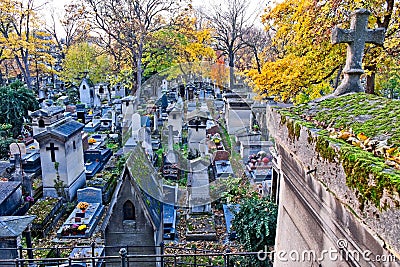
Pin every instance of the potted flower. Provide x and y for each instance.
(82, 229)
(82, 206)
(66, 231)
(74, 229)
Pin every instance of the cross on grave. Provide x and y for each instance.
(356, 37)
(52, 149)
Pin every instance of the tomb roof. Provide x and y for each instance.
(377, 117)
(146, 178)
(197, 113)
(68, 129)
(13, 226)
(47, 112)
(7, 188)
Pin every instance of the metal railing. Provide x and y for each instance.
(193, 257)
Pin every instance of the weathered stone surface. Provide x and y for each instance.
(317, 208)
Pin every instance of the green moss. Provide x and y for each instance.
(376, 117)
(373, 115)
(322, 146)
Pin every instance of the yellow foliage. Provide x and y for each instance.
(306, 63)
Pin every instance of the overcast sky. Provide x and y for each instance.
(255, 9)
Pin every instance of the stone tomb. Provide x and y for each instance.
(10, 197)
(169, 222)
(11, 230)
(74, 226)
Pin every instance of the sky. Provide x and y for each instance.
(255, 9)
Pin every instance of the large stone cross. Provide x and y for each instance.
(355, 38)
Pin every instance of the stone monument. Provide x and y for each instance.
(356, 37)
(61, 155)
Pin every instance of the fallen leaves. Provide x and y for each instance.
(381, 149)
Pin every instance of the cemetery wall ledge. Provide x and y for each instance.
(365, 178)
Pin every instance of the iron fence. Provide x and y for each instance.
(192, 257)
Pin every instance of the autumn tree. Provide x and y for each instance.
(185, 41)
(84, 59)
(19, 24)
(229, 20)
(255, 51)
(129, 24)
(306, 64)
(73, 22)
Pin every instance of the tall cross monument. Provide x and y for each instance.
(356, 37)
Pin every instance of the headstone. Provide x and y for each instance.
(90, 195)
(164, 86)
(356, 37)
(18, 148)
(136, 126)
(170, 138)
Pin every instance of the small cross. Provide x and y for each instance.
(355, 38)
(52, 149)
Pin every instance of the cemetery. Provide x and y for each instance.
(274, 139)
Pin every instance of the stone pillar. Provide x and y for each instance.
(155, 121)
(17, 176)
(170, 138)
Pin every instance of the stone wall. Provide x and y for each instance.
(318, 212)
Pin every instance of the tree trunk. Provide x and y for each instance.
(231, 70)
(370, 87)
(138, 75)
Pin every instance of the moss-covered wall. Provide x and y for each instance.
(363, 182)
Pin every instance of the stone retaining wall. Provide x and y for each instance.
(317, 209)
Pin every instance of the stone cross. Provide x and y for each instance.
(52, 149)
(356, 37)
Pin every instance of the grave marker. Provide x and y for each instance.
(90, 195)
(356, 37)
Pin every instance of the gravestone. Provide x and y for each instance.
(356, 37)
(90, 195)
(135, 129)
(164, 86)
(136, 126)
(18, 151)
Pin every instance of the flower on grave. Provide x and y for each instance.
(82, 227)
(83, 205)
(66, 230)
(75, 226)
(29, 199)
(92, 140)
